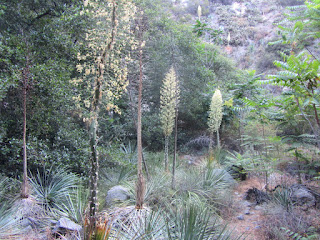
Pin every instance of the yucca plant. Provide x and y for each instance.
(189, 180)
(130, 151)
(74, 204)
(158, 189)
(169, 97)
(282, 197)
(194, 222)
(3, 184)
(216, 179)
(51, 186)
(112, 177)
(9, 224)
(101, 230)
(204, 184)
(142, 224)
(215, 118)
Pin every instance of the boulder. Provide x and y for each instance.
(116, 194)
(67, 224)
(257, 196)
(302, 196)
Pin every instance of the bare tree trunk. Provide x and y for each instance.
(25, 187)
(316, 114)
(94, 159)
(141, 182)
(173, 183)
(136, 126)
(218, 139)
(211, 148)
(94, 163)
(166, 153)
(264, 140)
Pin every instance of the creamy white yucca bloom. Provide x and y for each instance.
(199, 12)
(215, 113)
(169, 99)
(168, 102)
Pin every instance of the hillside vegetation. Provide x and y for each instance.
(159, 119)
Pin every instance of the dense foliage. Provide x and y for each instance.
(72, 106)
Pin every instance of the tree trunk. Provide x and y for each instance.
(25, 187)
(173, 183)
(264, 140)
(94, 163)
(166, 153)
(210, 148)
(140, 188)
(316, 114)
(93, 139)
(218, 139)
(136, 127)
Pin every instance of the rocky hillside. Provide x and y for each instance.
(247, 27)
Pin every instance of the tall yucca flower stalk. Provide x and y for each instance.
(215, 118)
(199, 12)
(168, 103)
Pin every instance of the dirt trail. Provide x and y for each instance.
(247, 218)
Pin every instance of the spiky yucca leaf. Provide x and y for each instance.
(194, 222)
(3, 183)
(142, 224)
(10, 227)
(157, 186)
(51, 186)
(74, 204)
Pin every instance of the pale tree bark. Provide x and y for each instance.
(133, 112)
(140, 187)
(94, 111)
(25, 79)
(210, 148)
(166, 153)
(173, 183)
(177, 101)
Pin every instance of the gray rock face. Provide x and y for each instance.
(247, 204)
(300, 195)
(259, 208)
(257, 196)
(67, 224)
(117, 193)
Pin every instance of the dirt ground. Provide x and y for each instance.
(247, 218)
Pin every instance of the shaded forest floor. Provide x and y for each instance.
(246, 218)
(253, 221)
